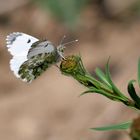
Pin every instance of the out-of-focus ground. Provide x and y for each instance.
(49, 108)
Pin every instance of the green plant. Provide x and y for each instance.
(73, 66)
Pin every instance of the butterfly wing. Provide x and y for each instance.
(18, 45)
(41, 55)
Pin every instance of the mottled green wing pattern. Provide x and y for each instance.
(35, 66)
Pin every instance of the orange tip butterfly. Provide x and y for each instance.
(31, 56)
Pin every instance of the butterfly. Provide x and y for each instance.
(31, 56)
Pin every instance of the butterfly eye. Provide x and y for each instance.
(29, 40)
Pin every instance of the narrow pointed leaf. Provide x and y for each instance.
(88, 81)
(133, 94)
(116, 90)
(121, 126)
(102, 92)
(102, 77)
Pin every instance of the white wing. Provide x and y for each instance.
(18, 45)
(15, 64)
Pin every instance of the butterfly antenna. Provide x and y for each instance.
(71, 42)
(61, 47)
(62, 40)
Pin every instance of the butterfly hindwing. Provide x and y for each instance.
(36, 65)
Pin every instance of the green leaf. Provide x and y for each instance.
(102, 92)
(102, 77)
(133, 94)
(121, 126)
(139, 72)
(115, 89)
(81, 62)
(87, 81)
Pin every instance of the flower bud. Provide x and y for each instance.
(72, 65)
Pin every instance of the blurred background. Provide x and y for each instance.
(49, 108)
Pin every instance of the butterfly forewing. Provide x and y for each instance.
(18, 45)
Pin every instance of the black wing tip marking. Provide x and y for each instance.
(12, 37)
